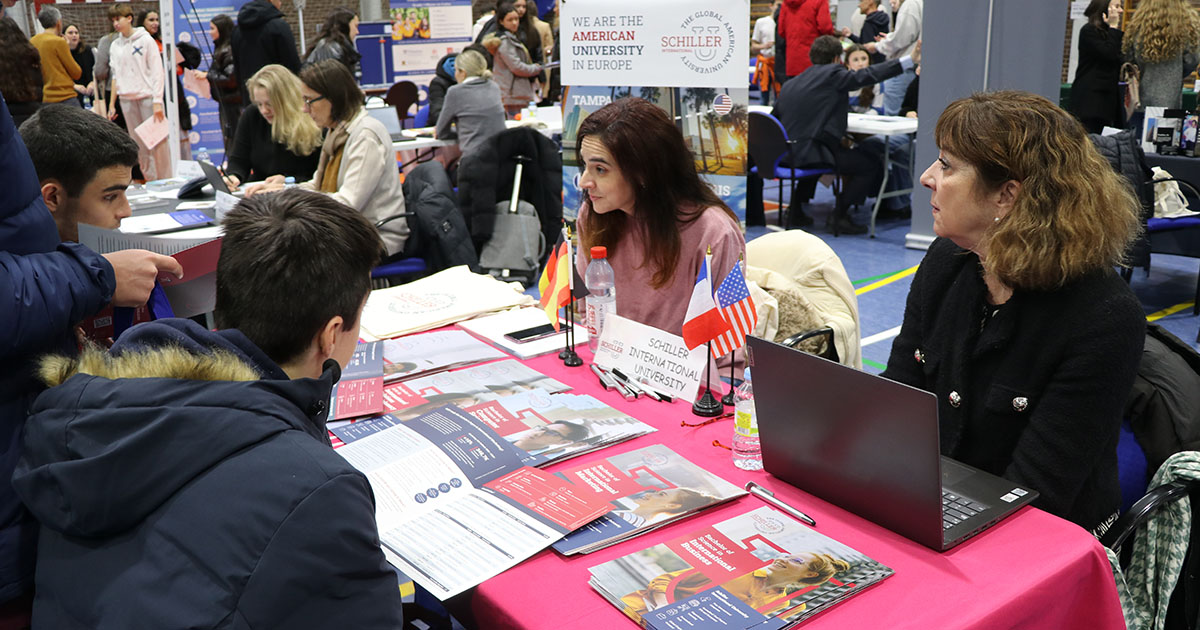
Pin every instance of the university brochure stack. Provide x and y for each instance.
(647, 489)
(420, 355)
(453, 502)
(760, 570)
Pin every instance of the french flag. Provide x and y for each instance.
(703, 321)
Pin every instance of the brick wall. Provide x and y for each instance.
(93, 18)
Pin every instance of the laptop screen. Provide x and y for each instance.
(387, 116)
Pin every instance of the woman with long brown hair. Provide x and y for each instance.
(1163, 39)
(20, 72)
(1016, 319)
(644, 201)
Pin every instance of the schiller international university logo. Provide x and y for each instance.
(704, 42)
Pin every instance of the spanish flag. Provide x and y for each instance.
(555, 283)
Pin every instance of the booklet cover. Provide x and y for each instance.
(760, 570)
(552, 428)
(453, 503)
(465, 387)
(647, 488)
(417, 355)
(360, 390)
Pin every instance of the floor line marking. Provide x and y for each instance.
(899, 275)
(875, 364)
(1170, 310)
(877, 337)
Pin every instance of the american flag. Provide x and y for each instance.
(733, 298)
(722, 104)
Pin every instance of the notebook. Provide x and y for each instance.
(871, 446)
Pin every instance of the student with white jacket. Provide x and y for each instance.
(357, 165)
(137, 74)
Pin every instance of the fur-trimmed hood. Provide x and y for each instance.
(121, 431)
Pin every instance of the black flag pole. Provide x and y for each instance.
(728, 399)
(568, 355)
(707, 406)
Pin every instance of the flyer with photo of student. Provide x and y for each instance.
(761, 570)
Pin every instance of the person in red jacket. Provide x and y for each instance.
(801, 22)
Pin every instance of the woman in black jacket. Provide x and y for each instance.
(1016, 319)
(336, 41)
(1096, 93)
(85, 87)
(222, 76)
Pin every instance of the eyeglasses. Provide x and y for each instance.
(309, 101)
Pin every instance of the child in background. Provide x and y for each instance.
(867, 100)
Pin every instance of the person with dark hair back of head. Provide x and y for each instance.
(357, 165)
(87, 183)
(336, 40)
(645, 202)
(262, 37)
(1016, 319)
(201, 457)
(20, 71)
(48, 287)
(1096, 92)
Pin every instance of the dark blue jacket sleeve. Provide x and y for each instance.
(44, 295)
(324, 568)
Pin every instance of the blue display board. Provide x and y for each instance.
(191, 27)
(409, 45)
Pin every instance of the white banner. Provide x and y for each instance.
(668, 43)
(652, 357)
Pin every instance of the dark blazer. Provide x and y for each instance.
(1096, 93)
(255, 156)
(46, 288)
(1038, 395)
(814, 105)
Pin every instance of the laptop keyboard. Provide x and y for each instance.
(956, 509)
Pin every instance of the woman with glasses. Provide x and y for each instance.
(274, 135)
(357, 165)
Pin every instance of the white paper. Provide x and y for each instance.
(652, 356)
(104, 241)
(445, 297)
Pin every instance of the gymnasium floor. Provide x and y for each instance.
(881, 270)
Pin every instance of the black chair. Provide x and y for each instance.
(402, 95)
(769, 144)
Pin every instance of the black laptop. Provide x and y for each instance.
(871, 446)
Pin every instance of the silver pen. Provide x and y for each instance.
(769, 497)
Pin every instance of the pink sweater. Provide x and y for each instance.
(665, 308)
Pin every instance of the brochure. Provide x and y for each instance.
(445, 297)
(647, 488)
(360, 390)
(418, 355)
(552, 428)
(760, 570)
(453, 503)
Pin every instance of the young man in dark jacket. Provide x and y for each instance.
(262, 37)
(47, 287)
(876, 22)
(184, 479)
(813, 108)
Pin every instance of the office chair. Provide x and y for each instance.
(402, 95)
(769, 144)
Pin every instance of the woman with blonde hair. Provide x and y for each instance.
(1163, 38)
(472, 106)
(274, 135)
(1016, 319)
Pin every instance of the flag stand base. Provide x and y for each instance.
(727, 399)
(707, 406)
(572, 359)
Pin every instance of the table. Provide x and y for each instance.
(548, 121)
(1032, 570)
(886, 126)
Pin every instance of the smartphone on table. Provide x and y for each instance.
(530, 334)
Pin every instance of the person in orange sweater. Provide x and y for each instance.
(59, 69)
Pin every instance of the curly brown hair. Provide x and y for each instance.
(20, 65)
(1073, 214)
(1161, 30)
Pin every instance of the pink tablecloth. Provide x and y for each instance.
(1033, 570)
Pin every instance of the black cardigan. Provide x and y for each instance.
(256, 157)
(1041, 390)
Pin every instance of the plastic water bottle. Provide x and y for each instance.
(203, 156)
(602, 294)
(747, 448)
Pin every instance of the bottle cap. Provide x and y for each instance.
(599, 251)
(746, 374)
